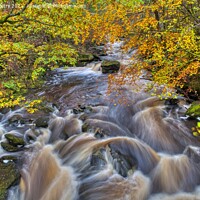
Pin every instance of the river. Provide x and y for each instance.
(97, 149)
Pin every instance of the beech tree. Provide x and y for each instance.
(167, 37)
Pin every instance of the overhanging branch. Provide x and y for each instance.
(11, 14)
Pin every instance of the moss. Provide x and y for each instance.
(110, 66)
(15, 139)
(107, 63)
(194, 109)
(85, 57)
(9, 176)
(8, 147)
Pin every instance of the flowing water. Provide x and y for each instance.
(94, 149)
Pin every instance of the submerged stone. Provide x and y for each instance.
(110, 66)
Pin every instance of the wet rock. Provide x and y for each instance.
(81, 109)
(102, 128)
(98, 50)
(121, 164)
(47, 107)
(15, 139)
(195, 84)
(110, 66)
(10, 148)
(171, 102)
(9, 176)
(42, 122)
(96, 57)
(8, 158)
(4, 110)
(30, 136)
(194, 109)
(15, 118)
(193, 153)
(85, 127)
(76, 111)
(85, 57)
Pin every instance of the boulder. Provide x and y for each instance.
(42, 122)
(193, 153)
(9, 147)
(15, 118)
(109, 67)
(9, 176)
(15, 139)
(85, 57)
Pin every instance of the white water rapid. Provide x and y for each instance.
(94, 149)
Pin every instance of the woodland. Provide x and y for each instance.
(69, 131)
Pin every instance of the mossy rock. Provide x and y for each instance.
(9, 176)
(42, 122)
(194, 109)
(10, 148)
(109, 67)
(85, 57)
(15, 139)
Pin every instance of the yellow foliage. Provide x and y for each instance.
(33, 105)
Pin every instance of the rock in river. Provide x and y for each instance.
(9, 176)
(109, 67)
(15, 138)
(85, 57)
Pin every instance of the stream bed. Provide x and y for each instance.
(89, 147)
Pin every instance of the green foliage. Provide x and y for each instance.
(196, 130)
(34, 37)
(194, 110)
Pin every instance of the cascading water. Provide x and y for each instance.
(101, 151)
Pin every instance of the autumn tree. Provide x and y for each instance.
(167, 37)
(35, 36)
